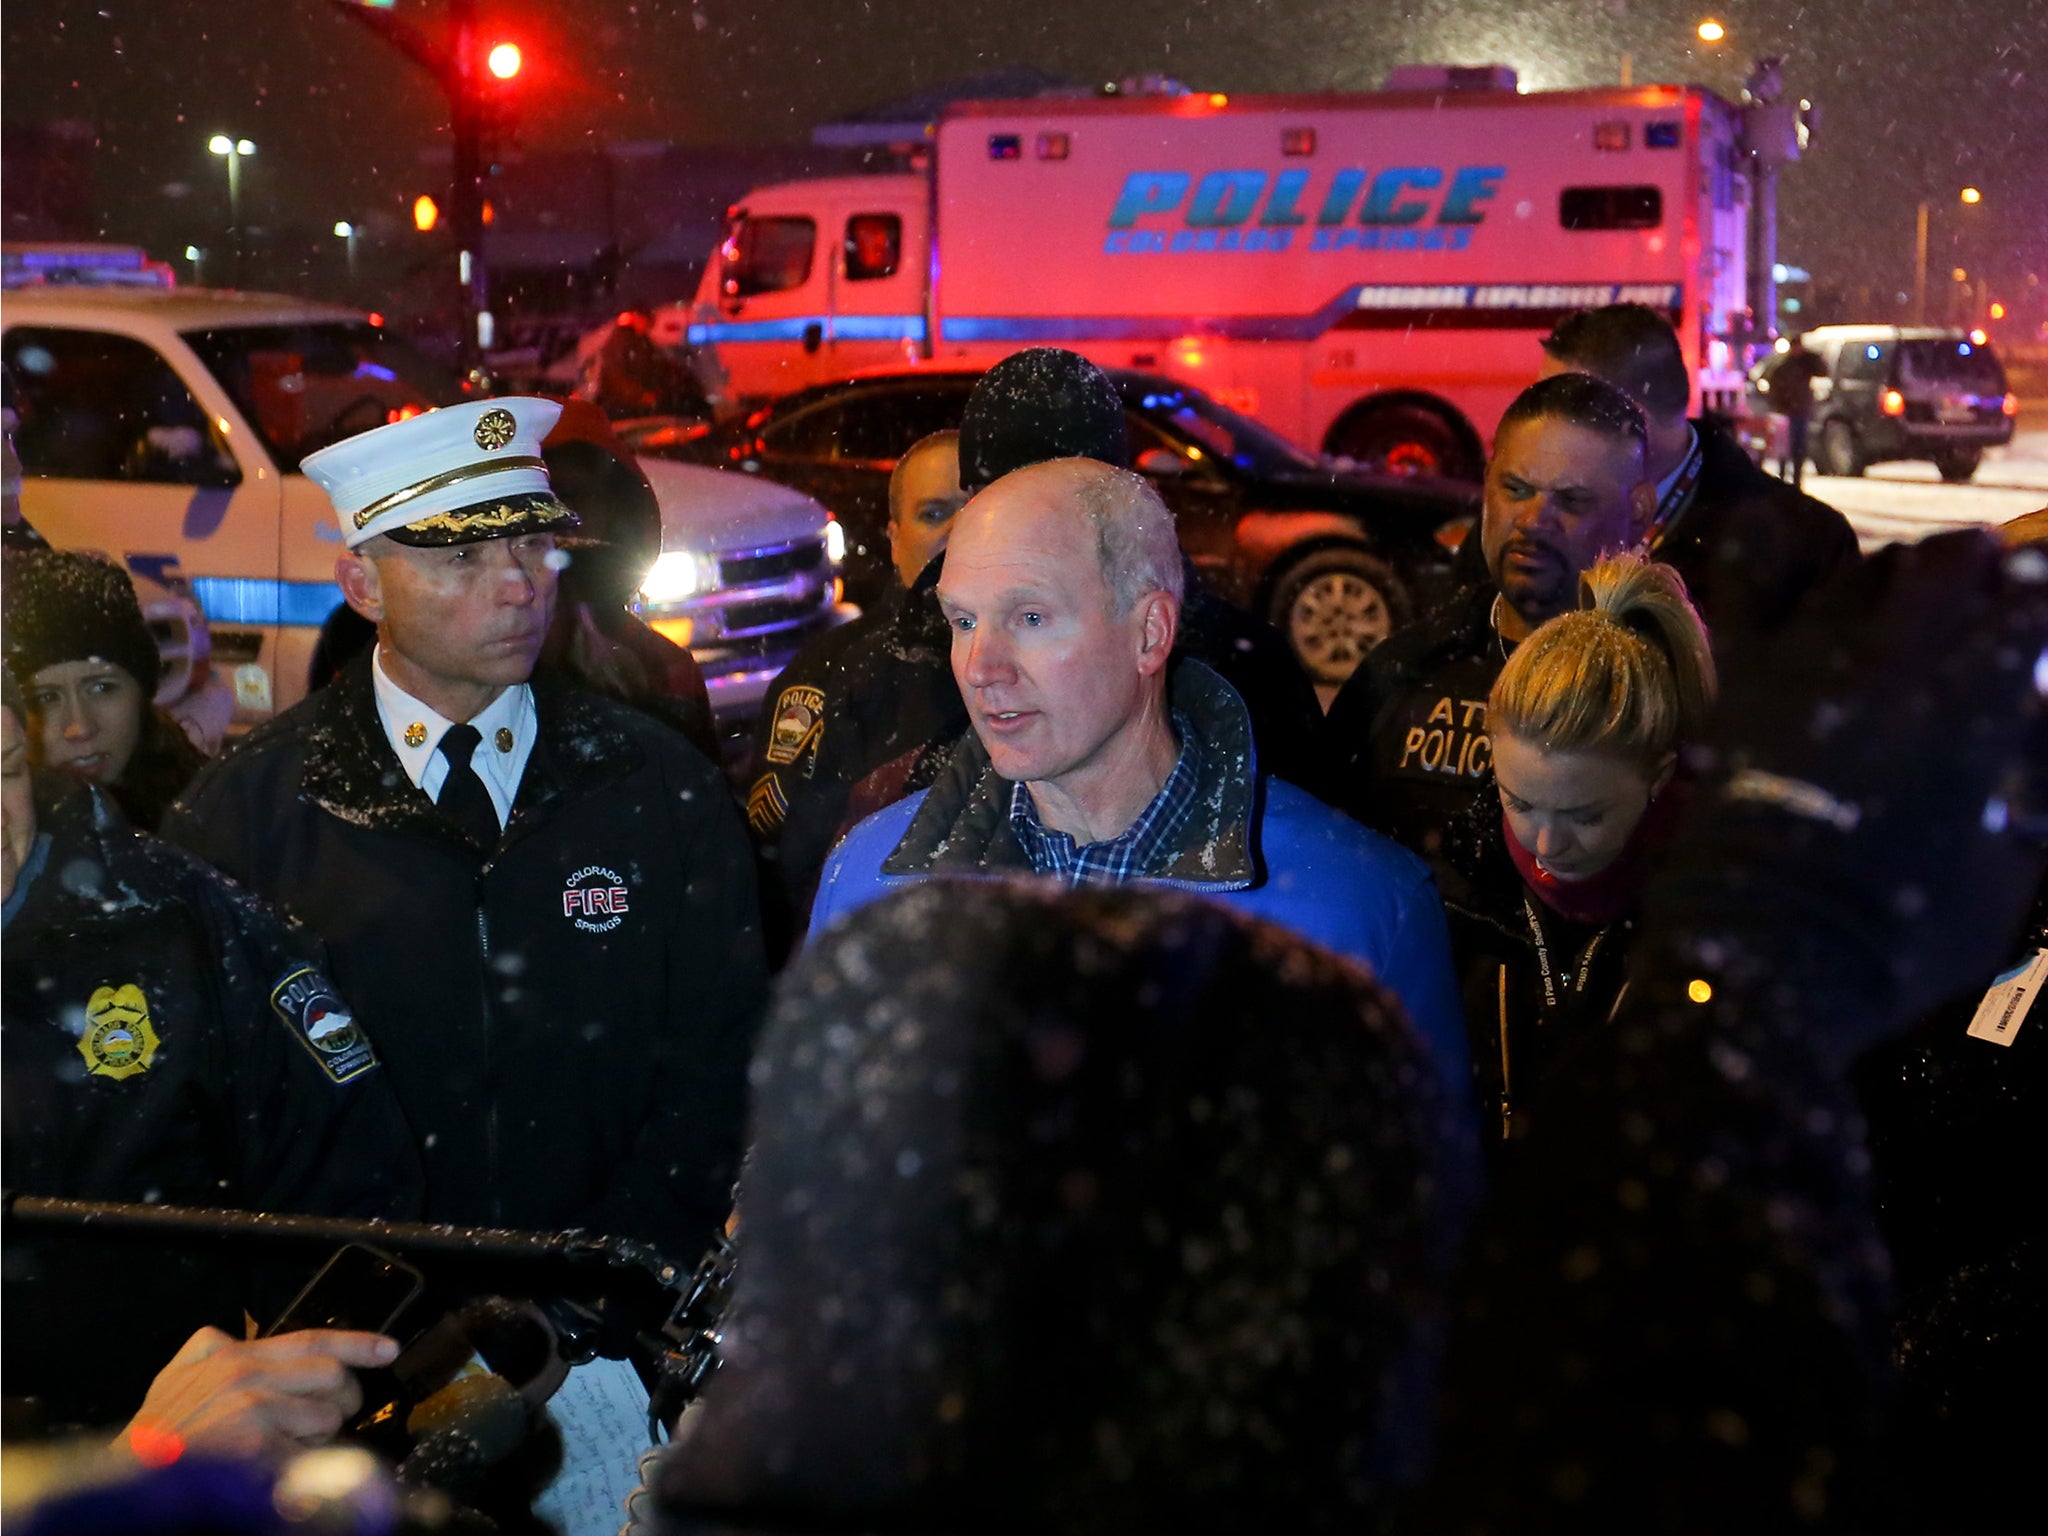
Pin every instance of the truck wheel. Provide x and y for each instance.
(1335, 604)
(1844, 455)
(1958, 464)
(1404, 440)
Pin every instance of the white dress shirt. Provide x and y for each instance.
(508, 727)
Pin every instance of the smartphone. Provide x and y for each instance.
(360, 1288)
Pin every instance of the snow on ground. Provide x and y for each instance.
(1904, 502)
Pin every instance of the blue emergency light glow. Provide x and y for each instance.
(1661, 135)
(1005, 146)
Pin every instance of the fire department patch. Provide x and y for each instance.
(119, 1040)
(323, 1025)
(799, 723)
(596, 899)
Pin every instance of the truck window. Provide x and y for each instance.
(807, 434)
(766, 255)
(1864, 362)
(306, 387)
(1584, 208)
(874, 246)
(90, 406)
(1957, 365)
(880, 426)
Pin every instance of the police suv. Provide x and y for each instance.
(165, 428)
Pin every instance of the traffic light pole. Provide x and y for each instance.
(466, 208)
(454, 69)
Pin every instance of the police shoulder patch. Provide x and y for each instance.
(316, 1016)
(799, 724)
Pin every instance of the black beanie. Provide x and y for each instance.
(63, 607)
(1039, 405)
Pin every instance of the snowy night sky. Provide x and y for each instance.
(1919, 99)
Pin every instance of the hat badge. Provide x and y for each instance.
(495, 428)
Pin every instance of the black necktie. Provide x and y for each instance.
(464, 800)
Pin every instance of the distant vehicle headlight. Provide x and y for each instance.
(677, 575)
(835, 541)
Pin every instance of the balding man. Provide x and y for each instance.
(1062, 589)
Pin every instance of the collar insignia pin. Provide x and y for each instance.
(504, 739)
(415, 735)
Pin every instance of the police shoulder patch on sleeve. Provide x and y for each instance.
(322, 1023)
(798, 725)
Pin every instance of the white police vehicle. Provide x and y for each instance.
(165, 428)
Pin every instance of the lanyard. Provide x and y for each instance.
(1553, 984)
(1679, 496)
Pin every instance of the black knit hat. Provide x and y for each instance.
(1039, 405)
(63, 607)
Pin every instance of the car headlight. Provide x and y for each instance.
(835, 541)
(677, 575)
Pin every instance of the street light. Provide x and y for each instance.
(347, 231)
(1711, 31)
(1972, 195)
(234, 151)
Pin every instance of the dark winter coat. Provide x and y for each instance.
(1516, 1029)
(168, 1040)
(1254, 843)
(1750, 547)
(566, 1018)
(1405, 744)
(881, 688)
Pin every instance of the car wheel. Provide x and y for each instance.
(1334, 605)
(1404, 440)
(1844, 454)
(1958, 464)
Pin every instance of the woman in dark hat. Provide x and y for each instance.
(79, 647)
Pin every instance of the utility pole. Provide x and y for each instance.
(1920, 267)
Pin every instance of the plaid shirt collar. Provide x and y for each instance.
(1144, 844)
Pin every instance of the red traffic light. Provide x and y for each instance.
(504, 60)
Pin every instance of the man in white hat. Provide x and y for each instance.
(541, 902)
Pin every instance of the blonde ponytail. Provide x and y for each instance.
(1628, 672)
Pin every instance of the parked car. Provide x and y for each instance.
(165, 428)
(1335, 558)
(1893, 392)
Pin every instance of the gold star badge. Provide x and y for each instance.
(504, 739)
(415, 735)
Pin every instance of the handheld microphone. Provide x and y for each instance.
(463, 1430)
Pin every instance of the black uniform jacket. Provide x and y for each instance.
(566, 1017)
(1405, 744)
(1517, 1026)
(881, 688)
(1750, 546)
(169, 1041)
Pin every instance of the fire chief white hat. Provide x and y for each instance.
(452, 476)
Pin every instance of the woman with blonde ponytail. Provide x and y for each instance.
(1587, 720)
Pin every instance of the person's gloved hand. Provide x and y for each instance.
(255, 1397)
(1877, 774)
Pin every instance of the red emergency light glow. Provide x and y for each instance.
(504, 60)
(1297, 141)
(1610, 136)
(1054, 146)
